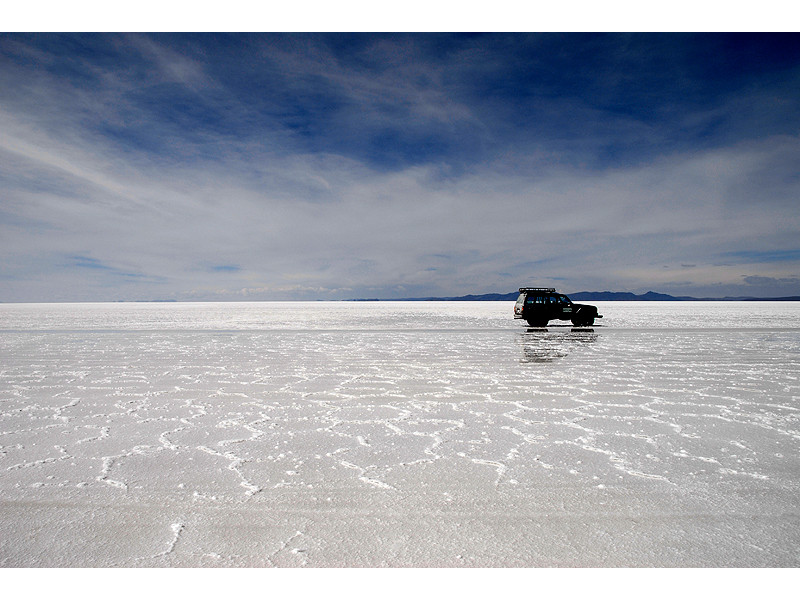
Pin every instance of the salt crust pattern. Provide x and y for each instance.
(398, 434)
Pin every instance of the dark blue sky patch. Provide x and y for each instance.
(111, 274)
(394, 101)
(85, 262)
(763, 256)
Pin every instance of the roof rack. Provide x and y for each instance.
(527, 289)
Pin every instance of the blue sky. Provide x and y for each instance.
(333, 166)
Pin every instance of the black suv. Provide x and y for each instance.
(539, 305)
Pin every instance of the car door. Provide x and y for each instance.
(550, 308)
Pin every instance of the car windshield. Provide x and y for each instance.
(564, 300)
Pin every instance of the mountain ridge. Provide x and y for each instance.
(649, 296)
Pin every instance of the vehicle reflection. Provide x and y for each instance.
(543, 346)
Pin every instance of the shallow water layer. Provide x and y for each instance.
(398, 434)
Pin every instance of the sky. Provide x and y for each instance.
(198, 167)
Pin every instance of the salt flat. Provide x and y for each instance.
(398, 434)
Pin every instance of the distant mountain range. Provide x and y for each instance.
(628, 296)
(612, 296)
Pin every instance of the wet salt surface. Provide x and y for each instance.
(398, 434)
